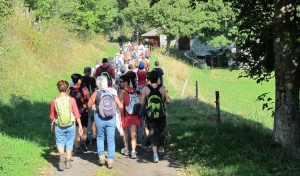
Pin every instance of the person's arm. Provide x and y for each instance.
(97, 72)
(117, 100)
(112, 73)
(92, 100)
(52, 114)
(143, 96)
(167, 96)
(77, 115)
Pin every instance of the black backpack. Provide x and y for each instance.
(89, 83)
(77, 94)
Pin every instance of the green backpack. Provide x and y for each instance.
(155, 104)
(63, 107)
(106, 74)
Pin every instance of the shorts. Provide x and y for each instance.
(84, 119)
(64, 136)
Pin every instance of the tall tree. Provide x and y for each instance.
(269, 41)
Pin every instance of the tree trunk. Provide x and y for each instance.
(168, 45)
(286, 118)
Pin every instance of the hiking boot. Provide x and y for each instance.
(62, 164)
(77, 150)
(83, 146)
(110, 164)
(155, 159)
(125, 151)
(94, 140)
(133, 154)
(101, 160)
(161, 152)
(147, 143)
(68, 164)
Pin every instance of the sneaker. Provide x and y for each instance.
(161, 152)
(62, 164)
(68, 164)
(83, 146)
(147, 141)
(77, 150)
(133, 154)
(110, 164)
(125, 151)
(101, 160)
(155, 159)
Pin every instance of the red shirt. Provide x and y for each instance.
(129, 119)
(53, 113)
(110, 71)
(141, 77)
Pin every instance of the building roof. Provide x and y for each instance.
(151, 33)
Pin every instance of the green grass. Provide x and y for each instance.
(241, 144)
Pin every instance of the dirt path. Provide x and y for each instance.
(86, 164)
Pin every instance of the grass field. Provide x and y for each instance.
(241, 144)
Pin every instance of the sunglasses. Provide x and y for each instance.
(121, 81)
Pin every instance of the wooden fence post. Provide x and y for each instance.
(218, 107)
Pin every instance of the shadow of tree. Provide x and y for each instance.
(237, 146)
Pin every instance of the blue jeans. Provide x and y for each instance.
(65, 136)
(109, 126)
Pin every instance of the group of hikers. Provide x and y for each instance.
(121, 93)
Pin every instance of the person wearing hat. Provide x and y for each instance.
(90, 84)
(105, 68)
(141, 74)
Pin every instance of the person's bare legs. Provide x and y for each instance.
(133, 136)
(125, 137)
(77, 139)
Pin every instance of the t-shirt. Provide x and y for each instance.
(141, 77)
(160, 73)
(53, 113)
(132, 78)
(110, 71)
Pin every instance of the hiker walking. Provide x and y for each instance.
(133, 76)
(111, 37)
(141, 74)
(64, 113)
(90, 83)
(160, 72)
(120, 40)
(155, 95)
(130, 120)
(106, 71)
(105, 118)
(95, 68)
(81, 95)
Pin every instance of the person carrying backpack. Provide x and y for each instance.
(129, 114)
(81, 96)
(106, 71)
(133, 76)
(155, 96)
(64, 113)
(106, 101)
(90, 84)
(160, 72)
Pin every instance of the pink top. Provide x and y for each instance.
(53, 113)
(141, 77)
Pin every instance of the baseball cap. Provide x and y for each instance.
(142, 65)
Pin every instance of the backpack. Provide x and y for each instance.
(155, 104)
(63, 108)
(87, 82)
(134, 103)
(106, 104)
(77, 94)
(106, 74)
